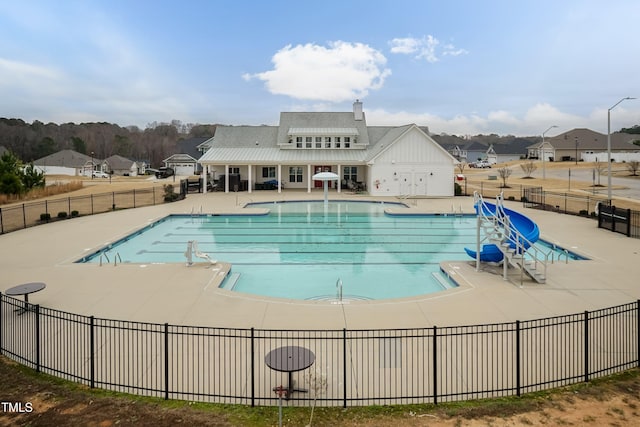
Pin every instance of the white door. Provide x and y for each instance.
(405, 184)
(420, 184)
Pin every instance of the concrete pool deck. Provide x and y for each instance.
(177, 294)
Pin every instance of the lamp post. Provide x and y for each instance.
(92, 168)
(543, 150)
(609, 147)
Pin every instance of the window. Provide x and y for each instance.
(318, 144)
(318, 139)
(295, 174)
(347, 142)
(327, 139)
(336, 139)
(350, 173)
(234, 170)
(269, 172)
(307, 141)
(347, 139)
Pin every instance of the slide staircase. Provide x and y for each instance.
(510, 237)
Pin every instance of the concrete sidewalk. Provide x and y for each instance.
(177, 294)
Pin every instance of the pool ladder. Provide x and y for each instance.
(115, 259)
(339, 290)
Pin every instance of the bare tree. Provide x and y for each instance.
(504, 173)
(633, 166)
(528, 168)
(461, 166)
(600, 168)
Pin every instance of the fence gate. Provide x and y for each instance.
(616, 220)
(534, 198)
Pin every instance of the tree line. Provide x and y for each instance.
(32, 141)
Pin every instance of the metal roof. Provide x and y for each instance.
(274, 155)
(323, 131)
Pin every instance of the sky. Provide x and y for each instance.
(459, 67)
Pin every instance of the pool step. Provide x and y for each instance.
(444, 281)
(230, 282)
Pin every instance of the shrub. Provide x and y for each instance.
(584, 212)
(45, 216)
(62, 215)
(74, 214)
(511, 198)
(169, 194)
(457, 189)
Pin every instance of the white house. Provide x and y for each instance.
(385, 160)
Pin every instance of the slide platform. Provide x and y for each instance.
(523, 224)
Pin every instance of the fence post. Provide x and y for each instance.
(1, 225)
(344, 367)
(628, 222)
(37, 336)
(613, 218)
(92, 359)
(166, 361)
(637, 332)
(253, 369)
(1, 317)
(24, 217)
(91, 203)
(586, 346)
(518, 358)
(134, 198)
(435, 365)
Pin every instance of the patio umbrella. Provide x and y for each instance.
(325, 177)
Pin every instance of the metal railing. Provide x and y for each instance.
(357, 367)
(17, 217)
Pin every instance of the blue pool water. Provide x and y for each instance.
(301, 249)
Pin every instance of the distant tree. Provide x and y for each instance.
(504, 173)
(633, 166)
(79, 145)
(10, 182)
(528, 168)
(633, 129)
(461, 166)
(31, 178)
(45, 147)
(599, 167)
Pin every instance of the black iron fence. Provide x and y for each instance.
(618, 220)
(352, 367)
(29, 214)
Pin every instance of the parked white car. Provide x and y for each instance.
(482, 164)
(99, 174)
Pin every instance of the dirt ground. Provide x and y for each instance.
(44, 401)
(39, 400)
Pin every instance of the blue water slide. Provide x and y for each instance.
(524, 225)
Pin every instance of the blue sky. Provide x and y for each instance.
(459, 67)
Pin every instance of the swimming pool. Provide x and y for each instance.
(301, 250)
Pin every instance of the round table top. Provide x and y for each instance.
(290, 359)
(26, 288)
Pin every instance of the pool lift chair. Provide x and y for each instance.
(192, 250)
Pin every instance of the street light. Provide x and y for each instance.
(543, 151)
(609, 147)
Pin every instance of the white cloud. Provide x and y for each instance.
(427, 48)
(339, 72)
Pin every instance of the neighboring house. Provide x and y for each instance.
(185, 161)
(387, 161)
(68, 162)
(571, 145)
(513, 150)
(122, 166)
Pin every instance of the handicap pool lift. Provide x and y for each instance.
(509, 236)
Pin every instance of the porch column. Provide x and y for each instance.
(279, 178)
(339, 184)
(226, 178)
(205, 170)
(249, 178)
(308, 178)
